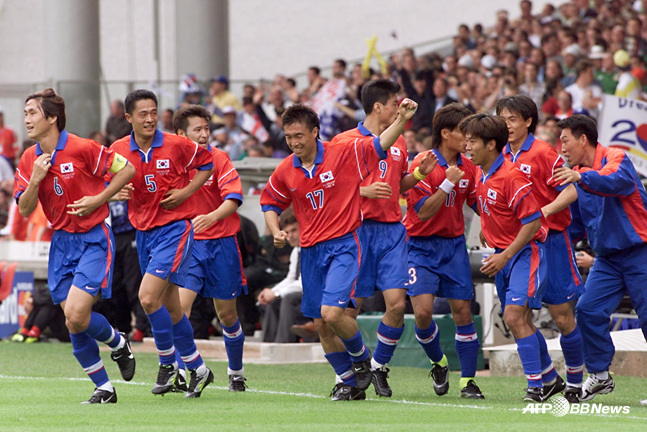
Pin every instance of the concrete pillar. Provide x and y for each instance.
(73, 66)
(202, 38)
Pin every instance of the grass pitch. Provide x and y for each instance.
(42, 385)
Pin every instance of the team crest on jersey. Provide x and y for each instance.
(491, 194)
(163, 164)
(525, 169)
(327, 179)
(463, 183)
(396, 153)
(67, 168)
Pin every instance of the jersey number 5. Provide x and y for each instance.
(150, 183)
(315, 196)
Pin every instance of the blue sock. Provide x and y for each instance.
(183, 339)
(234, 342)
(548, 372)
(86, 351)
(342, 364)
(573, 357)
(101, 330)
(180, 362)
(387, 340)
(467, 347)
(162, 329)
(356, 348)
(528, 349)
(429, 339)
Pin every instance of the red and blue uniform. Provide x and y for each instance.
(438, 259)
(326, 204)
(612, 206)
(216, 268)
(505, 204)
(381, 235)
(82, 247)
(538, 160)
(164, 237)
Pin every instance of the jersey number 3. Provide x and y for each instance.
(316, 198)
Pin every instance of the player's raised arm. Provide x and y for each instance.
(405, 112)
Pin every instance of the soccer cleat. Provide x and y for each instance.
(440, 375)
(471, 391)
(32, 339)
(380, 383)
(593, 386)
(237, 383)
(198, 383)
(165, 379)
(18, 337)
(557, 387)
(345, 392)
(125, 359)
(572, 394)
(102, 396)
(534, 394)
(180, 383)
(363, 374)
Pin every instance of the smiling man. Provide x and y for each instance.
(161, 214)
(322, 182)
(612, 208)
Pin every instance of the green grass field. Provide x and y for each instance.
(41, 386)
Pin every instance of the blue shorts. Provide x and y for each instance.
(523, 279)
(563, 282)
(384, 257)
(84, 260)
(439, 266)
(328, 274)
(216, 269)
(165, 251)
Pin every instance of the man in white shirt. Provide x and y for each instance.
(586, 96)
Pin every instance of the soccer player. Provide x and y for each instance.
(382, 236)
(511, 224)
(439, 265)
(161, 214)
(538, 160)
(612, 206)
(216, 265)
(322, 182)
(66, 174)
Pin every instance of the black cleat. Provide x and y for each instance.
(572, 394)
(363, 373)
(180, 383)
(380, 383)
(440, 375)
(557, 387)
(471, 391)
(166, 378)
(237, 383)
(345, 392)
(125, 359)
(102, 396)
(534, 394)
(198, 383)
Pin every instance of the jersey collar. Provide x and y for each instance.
(157, 140)
(495, 166)
(524, 147)
(60, 144)
(441, 160)
(362, 129)
(296, 162)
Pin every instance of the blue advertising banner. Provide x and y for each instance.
(12, 309)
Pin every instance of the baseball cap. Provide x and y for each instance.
(228, 110)
(597, 52)
(621, 58)
(573, 49)
(221, 79)
(488, 61)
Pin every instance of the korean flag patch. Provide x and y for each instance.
(491, 194)
(463, 183)
(525, 169)
(67, 168)
(395, 151)
(326, 177)
(163, 164)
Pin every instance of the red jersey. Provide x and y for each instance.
(448, 221)
(167, 165)
(8, 142)
(506, 203)
(390, 170)
(78, 169)
(326, 199)
(538, 160)
(223, 184)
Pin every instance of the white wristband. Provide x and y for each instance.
(447, 186)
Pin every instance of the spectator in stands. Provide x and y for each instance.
(234, 143)
(585, 93)
(605, 69)
(220, 97)
(117, 126)
(565, 105)
(8, 142)
(166, 121)
(531, 87)
(628, 85)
